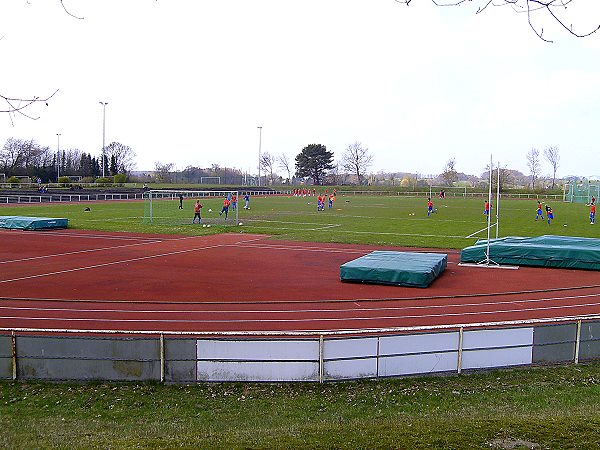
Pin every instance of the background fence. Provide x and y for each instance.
(178, 358)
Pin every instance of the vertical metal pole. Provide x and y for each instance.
(577, 341)
(259, 151)
(487, 252)
(103, 134)
(14, 355)
(321, 363)
(162, 358)
(58, 159)
(498, 204)
(460, 349)
(377, 368)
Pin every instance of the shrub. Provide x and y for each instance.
(13, 180)
(104, 180)
(64, 181)
(120, 178)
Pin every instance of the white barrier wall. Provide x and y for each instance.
(418, 354)
(362, 357)
(484, 349)
(350, 358)
(313, 358)
(257, 360)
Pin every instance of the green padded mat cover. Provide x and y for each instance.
(396, 268)
(32, 223)
(542, 251)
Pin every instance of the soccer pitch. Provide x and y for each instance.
(395, 221)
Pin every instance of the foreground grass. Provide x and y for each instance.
(556, 407)
(378, 220)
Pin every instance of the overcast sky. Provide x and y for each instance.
(189, 81)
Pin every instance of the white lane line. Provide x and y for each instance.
(304, 319)
(124, 261)
(313, 310)
(112, 263)
(32, 258)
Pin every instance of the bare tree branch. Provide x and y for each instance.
(17, 105)
(62, 2)
(529, 7)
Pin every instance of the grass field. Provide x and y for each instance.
(380, 220)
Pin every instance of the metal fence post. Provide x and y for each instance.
(14, 355)
(321, 363)
(577, 341)
(162, 358)
(460, 349)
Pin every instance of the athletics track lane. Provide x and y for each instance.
(240, 282)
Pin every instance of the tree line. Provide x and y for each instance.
(21, 157)
(316, 163)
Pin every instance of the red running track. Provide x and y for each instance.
(72, 279)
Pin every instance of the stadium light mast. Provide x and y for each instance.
(103, 133)
(58, 158)
(259, 150)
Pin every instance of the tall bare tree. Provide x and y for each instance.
(285, 164)
(357, 160)
(163, 172)
(551, 154)
(123, 156)
(267, 164)
(556, 10)
(450, 175)
(533, 163)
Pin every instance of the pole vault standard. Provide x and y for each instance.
(487, 262)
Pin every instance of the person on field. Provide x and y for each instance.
(246, 201)
(180, 201)
(549, 214)
(197, 208)
(592, 213)
(429, 206)
(486, 208)
(233, 202)
(225, 208)
(540, 214)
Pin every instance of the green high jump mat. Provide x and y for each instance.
(32, 223)
(395, 268)
(542, 251)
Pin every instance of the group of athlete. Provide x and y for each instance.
(539, 214)
(230, 201)
(311, 193)
(327, 197)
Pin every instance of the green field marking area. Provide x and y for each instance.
(396, 221)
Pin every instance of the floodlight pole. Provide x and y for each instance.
(259, 151)
(498, 203)
(487, 253)
(103, 134)
(58, 158)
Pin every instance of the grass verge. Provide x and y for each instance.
(552, 407)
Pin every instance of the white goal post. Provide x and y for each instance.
(450, 191)
(176, 207)
(210, 180)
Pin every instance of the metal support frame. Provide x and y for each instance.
(460, 350)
